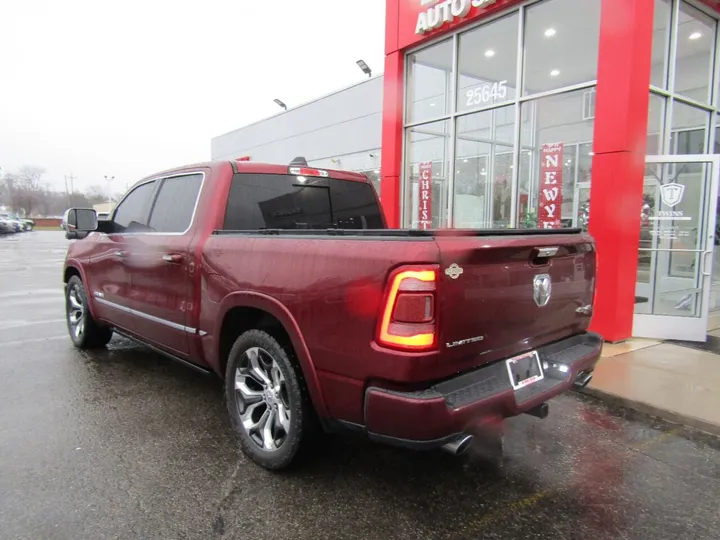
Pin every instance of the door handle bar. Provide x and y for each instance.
(173, 258)
(704, 264)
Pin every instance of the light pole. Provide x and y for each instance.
(109, 180)
(364, 67)
(69, 188)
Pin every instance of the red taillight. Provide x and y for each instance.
(408, 318)
(414, 308)
(306, 171)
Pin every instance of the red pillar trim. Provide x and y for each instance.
(392, 25)
(392, 137)
(624, 63)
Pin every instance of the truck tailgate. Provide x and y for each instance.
(502, 295)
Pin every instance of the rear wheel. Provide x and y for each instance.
(267, 400)
(84, 331)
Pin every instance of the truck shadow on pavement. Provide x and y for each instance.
(585, 470)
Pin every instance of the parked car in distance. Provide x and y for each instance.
(16, 224)
(285, 281)
(6, 226)
(27, 224)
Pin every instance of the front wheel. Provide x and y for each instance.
(267, 400)
(84, 331)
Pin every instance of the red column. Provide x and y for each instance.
(619, 143)
(392, 137)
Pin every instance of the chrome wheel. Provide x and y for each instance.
(262, 399)
(76, 312)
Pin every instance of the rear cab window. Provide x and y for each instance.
(174, 207)
(284, 201)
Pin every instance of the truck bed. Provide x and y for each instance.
(333, 283)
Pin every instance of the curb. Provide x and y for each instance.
(670, 416)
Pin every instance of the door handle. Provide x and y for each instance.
(173, 258)
(704, 264)
(542, 255)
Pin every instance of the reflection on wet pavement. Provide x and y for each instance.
(125, 444)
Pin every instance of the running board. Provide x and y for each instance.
(166, 354)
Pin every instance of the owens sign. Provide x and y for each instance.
(442, 12)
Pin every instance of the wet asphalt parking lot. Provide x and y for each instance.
(126, 444)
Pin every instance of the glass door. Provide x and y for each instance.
(581, 206)
(677, 240)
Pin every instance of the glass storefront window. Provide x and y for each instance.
(428, 159)
(487, 64)
(695, 51)
(558, 146)
(484, 169)
(656, 114)
(561, 44)
(462, 127)
(527, 217)
(689, 129)
(429, 82)
(660, 43)
(585, 155)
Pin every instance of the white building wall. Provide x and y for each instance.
(342, 130)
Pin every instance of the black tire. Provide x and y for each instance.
(291, 442)
(84, 331)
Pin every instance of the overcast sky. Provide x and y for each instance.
(128, 88)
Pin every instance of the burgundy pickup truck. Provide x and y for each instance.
(285, 281)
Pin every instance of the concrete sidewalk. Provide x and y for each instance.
(676, 383)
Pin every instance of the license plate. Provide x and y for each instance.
(524, 370)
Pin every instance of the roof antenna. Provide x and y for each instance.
(299, 161)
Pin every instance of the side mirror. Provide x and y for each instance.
(78, 222)
(81, 219)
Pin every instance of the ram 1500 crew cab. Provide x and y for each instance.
(285, 281)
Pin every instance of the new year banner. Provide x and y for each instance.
(551, 180)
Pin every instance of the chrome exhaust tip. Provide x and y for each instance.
(583, 379)
(541, 411)
(458, 445)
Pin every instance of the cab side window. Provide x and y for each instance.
(131, 214)
(175, 204)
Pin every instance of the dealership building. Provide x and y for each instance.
(596, 114)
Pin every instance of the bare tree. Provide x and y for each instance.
(96, 194)
(25, 189)
(27, 194)
(30, 177)
(11, 190)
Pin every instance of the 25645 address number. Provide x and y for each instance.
(486, 93)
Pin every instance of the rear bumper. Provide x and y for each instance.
(432, 417)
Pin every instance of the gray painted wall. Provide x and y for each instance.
(346, 122)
